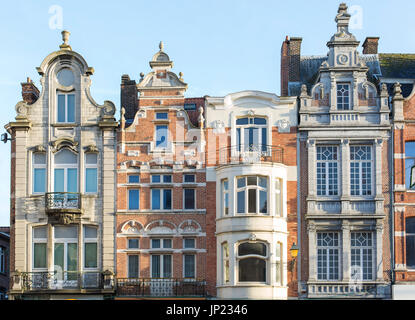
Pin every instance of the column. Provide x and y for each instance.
(379, 251)
(344, 171)
(378, 176)
(312, 251)
(346, 250)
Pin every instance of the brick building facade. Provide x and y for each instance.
(4, 262)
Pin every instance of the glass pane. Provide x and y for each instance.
(241, 202)
(167, 199)
(225, 184)
(133, 179)
(263, 208)
(262, 182)
(133, 266)
(91, 183)
(167, 178)
(278, 272)
(189, 243)
(66, 232)
(66, 77)
(260, 121)
(242, 121)
(252, 181)
(91, 255)
(410, 225)
(65, 157)
(264, 139)
(189, 178)
(238, 138)
(59, 257)
(257, 248)
(155, 266)
(161, 136)
(59, 180)
(72, 180)
(40, 233)
(166, 266)
(133, 243)
(71, 108)
(166, 243)
(39, 180)
(189, 266)
(39, 255)
(155, 178)
(72, 257)
(155, 199)
(61, 108)
(155, 243)
(410, 251)
(189, 198)
(252, 269)
(91, 158)
(90, 232)
(161, 115)
(39, 158)
(410, 149)
(133, 199)
(252, 201)
(241, 182)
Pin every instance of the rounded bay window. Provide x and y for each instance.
(252, 262)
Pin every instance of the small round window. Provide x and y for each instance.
(66, 77)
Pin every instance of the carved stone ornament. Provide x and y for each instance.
(304, 90)
(284, 125)
(91, 149)
(342, 59)
(39, 148)
(64, 142)
(218, 126)
(252, 237)
(108, 109)
(21, 110)
(251, 112)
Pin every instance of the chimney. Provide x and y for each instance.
(30, 92)
(290, 62)
(370, 46)
(129, 96)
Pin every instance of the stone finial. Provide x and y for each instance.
(65, 39)
(181, 76)
(397, 91)
(141, 76)
(384, 90)
(201, 119)
(303, 90)
(342, 19)
(161, 45)
(342, 8)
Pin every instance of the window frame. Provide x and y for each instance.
(43, 241)
(335, 167)
(165, 144)
(253, 256)
(258, 189)
(138, 198)
(360, 253)
(409, 235)
(90, 166)
(342, 97)
(161, 265)
(66, 95)
(194, 265)
(42, 166)
(225, 263)
(225, 197)
(66, 167)
(360, 167)
(161, 204)
(90, 240)
(128, 266)
(409, 158)
(329, 272)
(240, 134)
(194, 198)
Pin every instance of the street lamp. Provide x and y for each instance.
(294, 253)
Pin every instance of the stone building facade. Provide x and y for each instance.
(62, 185)
(344, 152)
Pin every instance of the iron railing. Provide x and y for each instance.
(250, 154)
(63, 201)
(34, 281)
(145, 287)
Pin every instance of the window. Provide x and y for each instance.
(278, 198)
(328, 256)
(251, 134)
(361, 256)
(252, 195)
(225, 197)
(161, 266)
(189, 199)
(39, 172)
(40, 240)
(133, 243)
(225, 259)
(162, 116)
(90, 247)
(190, 106)
(133, 199)
(66, 252)
(189, 261)
(161, 178)
(343, 96)
(66, 171)
(278, 264)
(91, 173)
(133, 266)
(161, 243)
(360, 170)
(252, 262)
(410, 165)
(66, 108)
(189, 243)
(161, 199)
(161, 137)
(410, 242)
(327, 171)
(2, 260)
(133, 179)
(189, 178)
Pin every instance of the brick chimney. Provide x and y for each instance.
(129, 96)
(290, 62)
(370, 46)
(30, 92)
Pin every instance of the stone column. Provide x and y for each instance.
(346, 250)
(344, 171)
(312, 157)
(312, 251)
(378, 176)
(379, 251)
(333, 92)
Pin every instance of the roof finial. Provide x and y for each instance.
(161, 46)
(65, 39)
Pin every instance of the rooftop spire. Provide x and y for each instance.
(161, 46)
(342, 19)
(65, 39)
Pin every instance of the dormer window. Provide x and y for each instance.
(66, 108)
(343, 96)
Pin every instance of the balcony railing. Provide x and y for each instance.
(56, 201)
(342, 290)
(68, 280)
(140, 287)
(250, 154)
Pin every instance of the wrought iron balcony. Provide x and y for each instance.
(63, 202)
(250, 154)
(143, 287)
(35, 281)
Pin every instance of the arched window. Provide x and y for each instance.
(252, 262)
(251, 134)
(252, 195)
(410, 242)
(66, 172)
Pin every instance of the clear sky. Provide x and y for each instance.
(221, 46)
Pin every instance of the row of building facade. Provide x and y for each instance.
(250, 196)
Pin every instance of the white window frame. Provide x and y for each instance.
(279, 259)
(39, 240)
(189, 238)
(66, 242)
(128, 198)
(244, 146)
(343, 104)
(133, 175)
(161, 199)
(256, 256)
(162, 246)
(329, 275)
(258, 189)
(360, 164)
(90, 240)
(194, 265)
(91, 166)
(157, 114)
(128, 265)
(38, 166)
(156, 147)
(66, 94)
(161, 178)
(162, 255)
(225, 197)
(327, 172)
(278, 183)
(359, 254)
(225, 263)
(66, 166)
(184, 198)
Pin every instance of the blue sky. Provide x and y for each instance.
(220, 46)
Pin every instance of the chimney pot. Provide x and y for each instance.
(370, 46)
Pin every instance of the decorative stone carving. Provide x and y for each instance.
(251, 112)
(342, 59)
(64, 142)
(39, 148)
(108, 109)
(284, 125)
(91, 149)
(252, 237)
(21, 110)
(218, 127)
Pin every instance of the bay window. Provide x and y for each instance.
(252, 262)
(39, 172)
(252, 195)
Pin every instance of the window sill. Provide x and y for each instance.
(65, 125)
